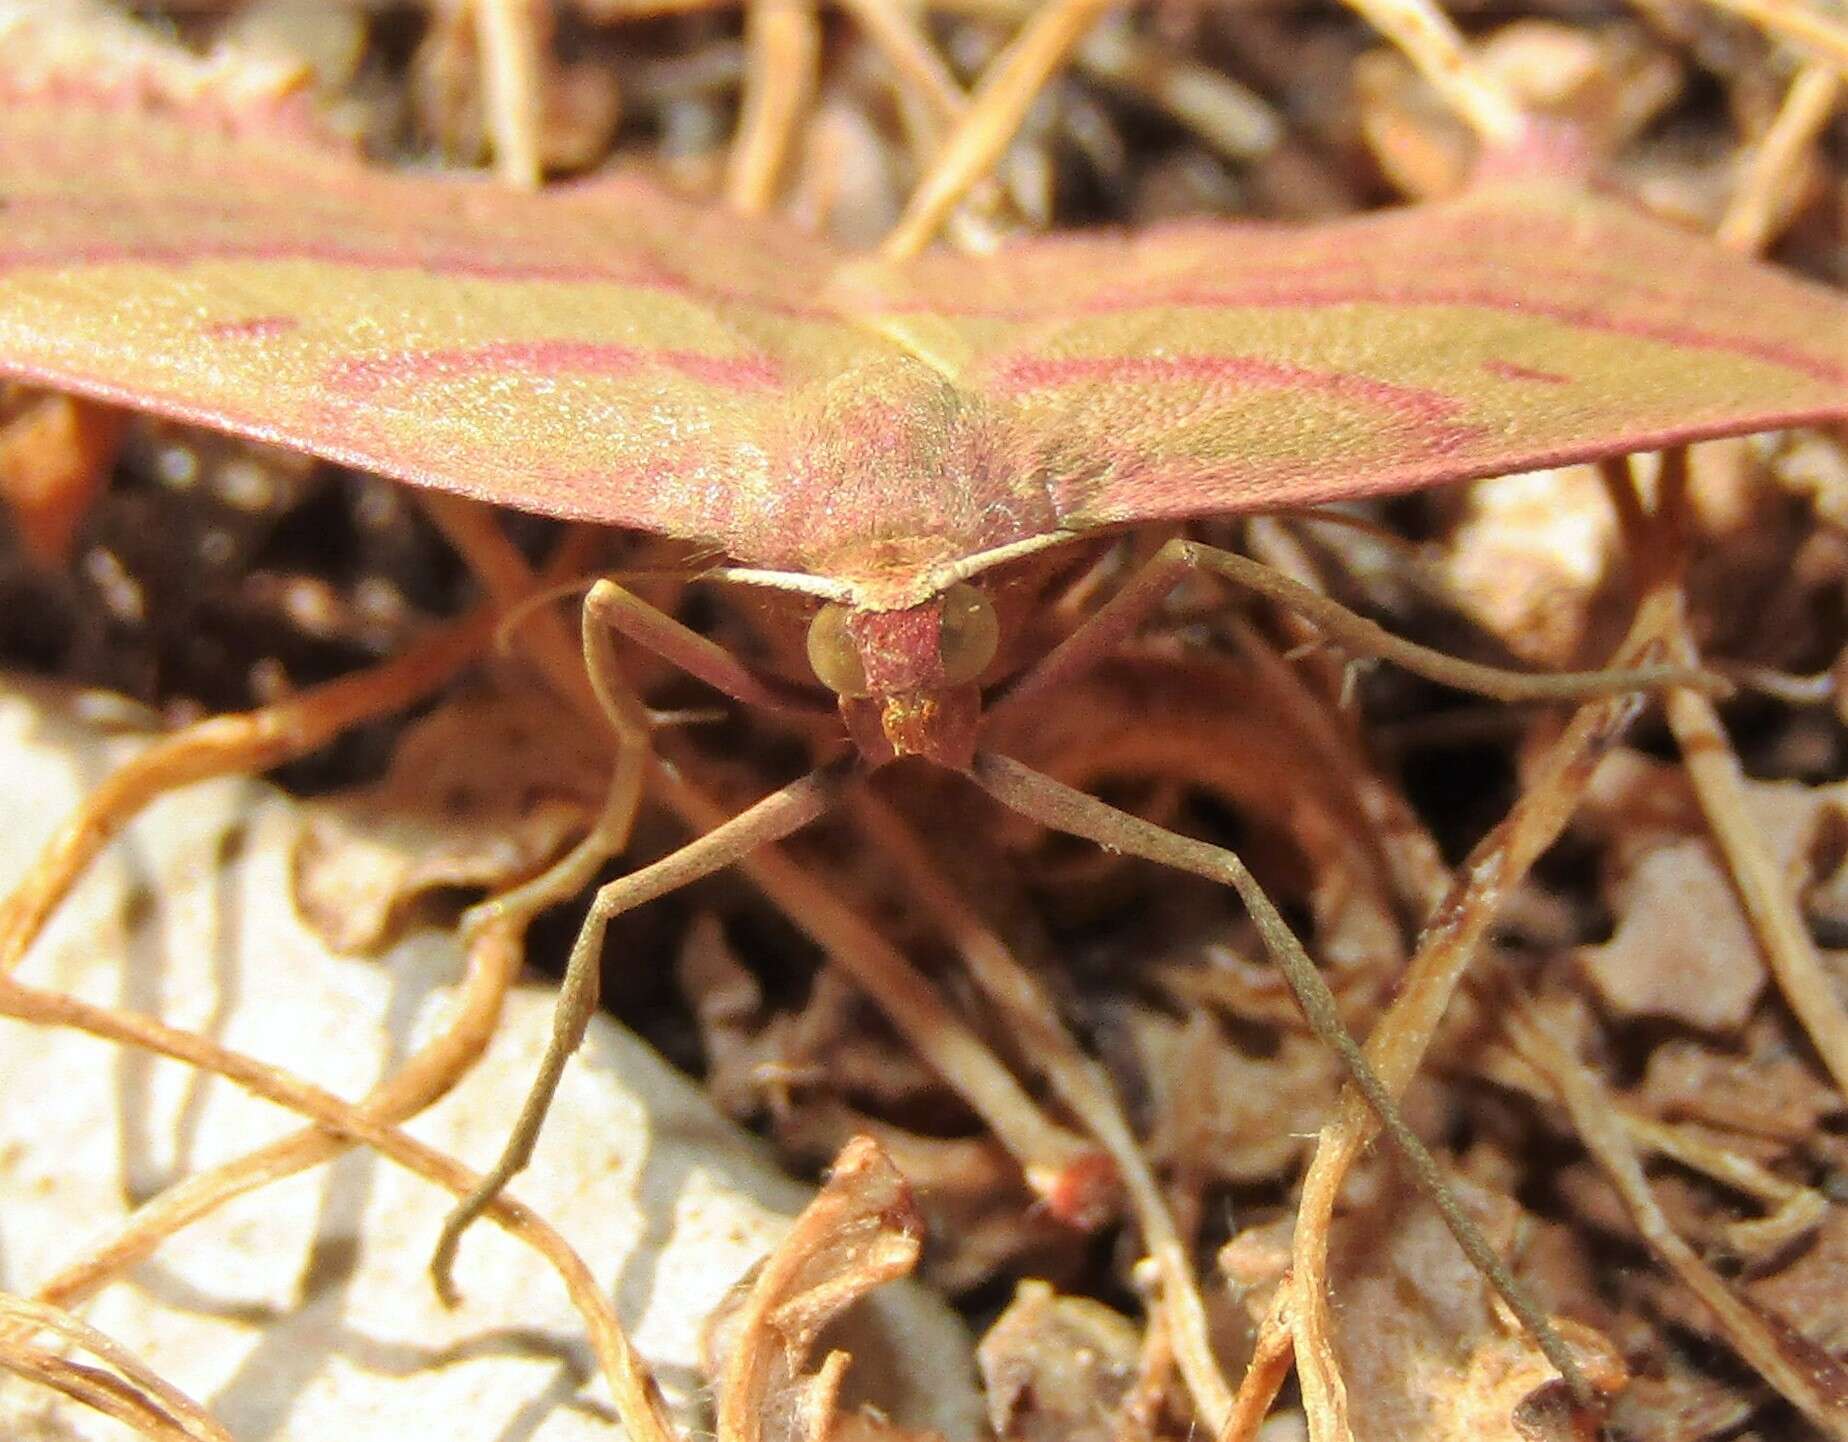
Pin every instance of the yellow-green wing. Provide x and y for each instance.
(603, 351)
(1215, 368)
(176, 243)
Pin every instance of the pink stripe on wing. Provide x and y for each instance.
(366, 376)
(1429, 410)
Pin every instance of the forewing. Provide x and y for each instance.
(601, 351)
(1220, 368)
(180, 245)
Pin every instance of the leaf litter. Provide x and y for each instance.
(1615, 1077)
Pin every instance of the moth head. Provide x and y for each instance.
(907, 679)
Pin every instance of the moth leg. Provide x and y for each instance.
(769, 820)
(699, 656)
(1061, 808)
(1048, 1152)
(249, 741)
(1118, 617)
(1029, 1010)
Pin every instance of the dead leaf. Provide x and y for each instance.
(861, 1232)
(55, 455)
(481, 793)
(1424, 1348)
(1683, 947)
(1057, 1368)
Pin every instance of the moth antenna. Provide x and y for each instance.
(798, 582)
(1062, 808)
(1364, 637)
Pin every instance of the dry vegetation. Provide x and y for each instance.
(1596, 949)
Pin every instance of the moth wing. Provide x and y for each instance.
(1218, 368)
(603, 351)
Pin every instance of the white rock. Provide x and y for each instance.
(302, 1312)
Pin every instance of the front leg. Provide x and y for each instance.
(770, 820)
(616, 609)
(1119, 617)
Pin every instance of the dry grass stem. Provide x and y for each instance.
(914, 59)
(1269, 1368)
(1774, 170)
(1803, 1373)
(101, 1392)
(1770, 900)
(637, 1402)
(225, 746)
(494, 957)
(1400, 1038)
(142, 1390)
(1235, 121)
(513, 37)
(1013, 80)
(1431, 42)
(1803, 25)
(783, 51)
(1792, 1210)
(1080, 1084)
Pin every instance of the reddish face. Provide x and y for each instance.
(907, 679)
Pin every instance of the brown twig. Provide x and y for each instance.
(1803, 1373)
(1007, 89)
(783, 51)
(139, 1387)
(636, 1399)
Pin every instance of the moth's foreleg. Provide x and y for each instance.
(1120, 616)
(770, 820)
(614, 608)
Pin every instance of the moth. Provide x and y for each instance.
(885, 439)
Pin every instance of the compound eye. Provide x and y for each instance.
(971, 633)
(832, 654)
